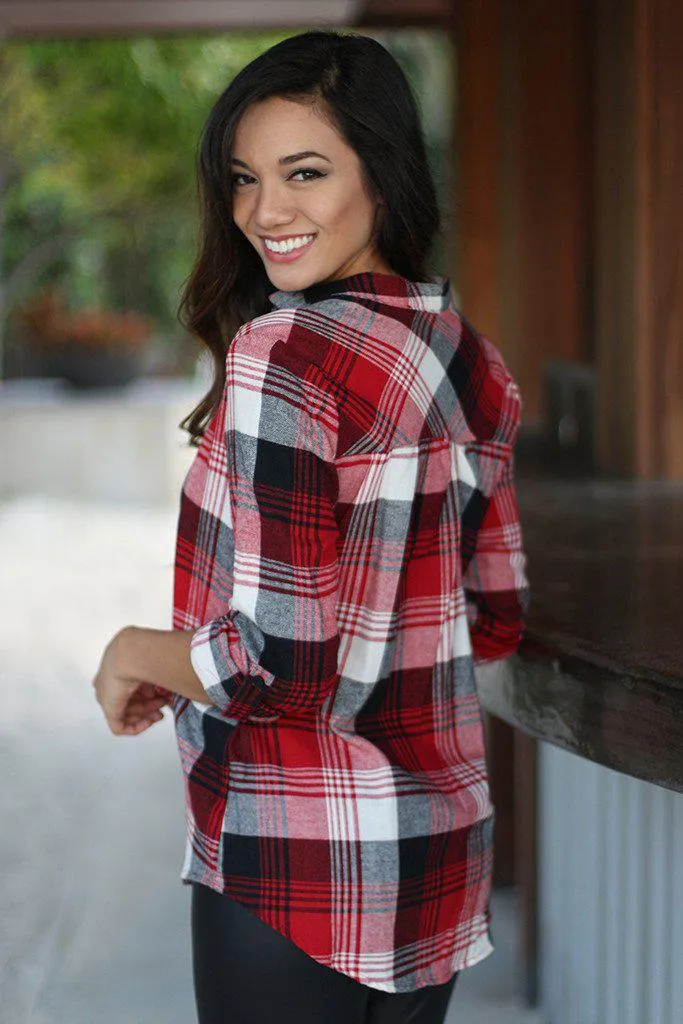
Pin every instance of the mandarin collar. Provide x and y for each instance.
(431, 295)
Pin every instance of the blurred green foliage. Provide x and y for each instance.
(97, 150)
(98, 142)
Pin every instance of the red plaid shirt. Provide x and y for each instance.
(348, 547)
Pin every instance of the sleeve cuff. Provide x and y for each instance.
(204, 665)
(232, 686)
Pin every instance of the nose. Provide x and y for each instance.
(273, 206)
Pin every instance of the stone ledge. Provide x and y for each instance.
(631, 724)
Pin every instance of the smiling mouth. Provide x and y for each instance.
(288, 248)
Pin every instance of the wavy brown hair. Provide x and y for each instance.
(363, 90)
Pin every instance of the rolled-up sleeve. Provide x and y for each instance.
(274, 651)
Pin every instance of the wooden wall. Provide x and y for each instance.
(478, 236)
(569, 147)
(548, 258)
(639, 169)
(524, 150)
(662, 64)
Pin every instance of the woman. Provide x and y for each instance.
(348, 547)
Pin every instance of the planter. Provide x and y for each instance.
(88, 348)
(86, 367)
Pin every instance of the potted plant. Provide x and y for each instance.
(89, 348)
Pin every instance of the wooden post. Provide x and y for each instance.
(478, 156)
(477, 277)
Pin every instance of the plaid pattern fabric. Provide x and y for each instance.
(348, 547)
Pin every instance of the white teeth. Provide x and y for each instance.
(288, 244)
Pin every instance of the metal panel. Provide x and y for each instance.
(629, 857)
(675, 901)
(659, 906)
(552, 817)
(610, 885)
(585, 898)
(611, 895)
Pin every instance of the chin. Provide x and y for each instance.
(293, 279)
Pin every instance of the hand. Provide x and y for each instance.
(130, 705)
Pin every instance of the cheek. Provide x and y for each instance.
(346, 214)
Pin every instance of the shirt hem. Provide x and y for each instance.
(481, 948)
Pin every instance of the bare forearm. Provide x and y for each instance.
(160, 657)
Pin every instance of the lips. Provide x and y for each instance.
(290, 256)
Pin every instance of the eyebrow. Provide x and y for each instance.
(286, 159)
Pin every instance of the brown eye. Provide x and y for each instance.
(307, 170)
(237, 179)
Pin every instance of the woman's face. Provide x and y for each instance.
(299, 196)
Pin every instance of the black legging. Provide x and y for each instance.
(246, 972)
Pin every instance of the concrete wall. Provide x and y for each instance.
(116, 446)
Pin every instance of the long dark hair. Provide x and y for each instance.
(364, 90)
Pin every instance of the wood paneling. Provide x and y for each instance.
(478, 157)
(549, 257)
(639, 169)
(401, 13)
(647, 424)
(524, 199)
(615, 237)
(663, 64)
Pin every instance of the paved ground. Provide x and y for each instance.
(94, 917)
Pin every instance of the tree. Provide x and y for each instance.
(97, 150)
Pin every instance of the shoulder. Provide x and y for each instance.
(282, 357)
(297, 335)
(299, 343)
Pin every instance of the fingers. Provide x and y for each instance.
(128, 714)
(135, 716)
(141, 711)
(139, 703)
(149, 690)
(135, 728)
(131, 725)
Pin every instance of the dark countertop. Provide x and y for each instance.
(600, 671)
